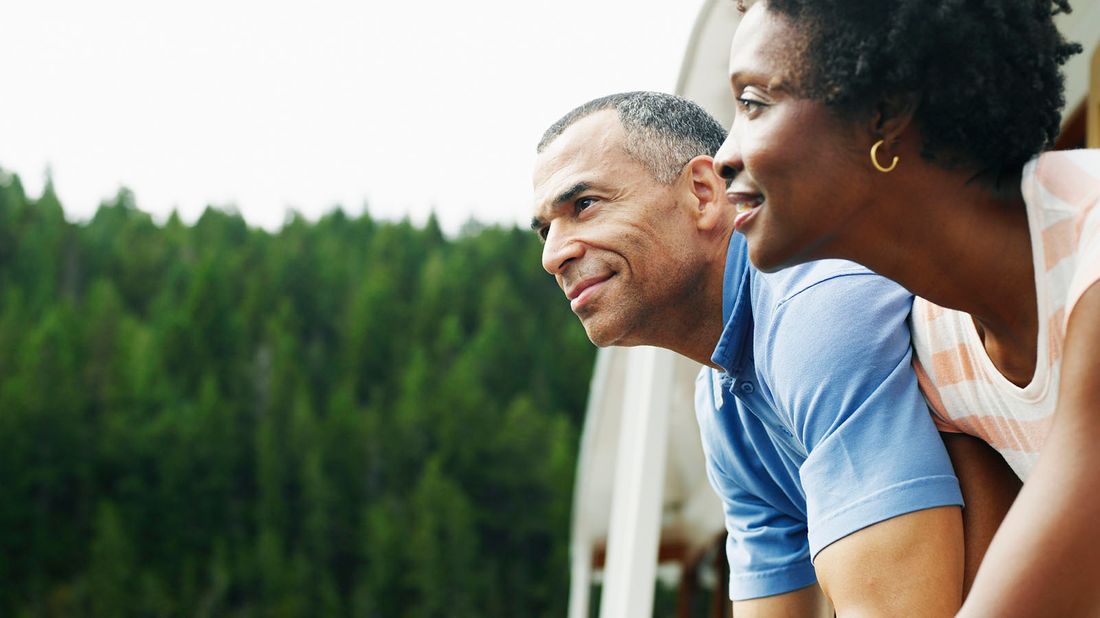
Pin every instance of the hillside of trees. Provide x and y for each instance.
(344, 418)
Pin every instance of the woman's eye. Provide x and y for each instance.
(750, 99)
(748, 105)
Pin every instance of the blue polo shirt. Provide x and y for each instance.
(815, 427)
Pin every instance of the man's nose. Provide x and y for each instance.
(727, 161)
(560, 249)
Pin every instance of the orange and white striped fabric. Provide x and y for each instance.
(964, 389)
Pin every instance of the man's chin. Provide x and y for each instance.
(600, 333)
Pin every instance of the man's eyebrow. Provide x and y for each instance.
(570, 193)
(563, 197)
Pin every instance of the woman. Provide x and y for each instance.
(904, 135)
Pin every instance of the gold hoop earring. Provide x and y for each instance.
(874, 159)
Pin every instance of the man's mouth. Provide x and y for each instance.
(584, 290)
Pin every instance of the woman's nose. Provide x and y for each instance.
(727, 161)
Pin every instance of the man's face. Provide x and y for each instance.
(619, 243)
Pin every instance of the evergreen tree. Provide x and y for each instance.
(112, 569)
(343, 418)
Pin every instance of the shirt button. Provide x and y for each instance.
(747, 387)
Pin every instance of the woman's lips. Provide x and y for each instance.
(745, 205)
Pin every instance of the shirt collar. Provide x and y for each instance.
(729, 354)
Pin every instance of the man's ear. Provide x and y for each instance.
(708, 191)
(892, 116)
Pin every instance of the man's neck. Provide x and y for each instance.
(698, 329)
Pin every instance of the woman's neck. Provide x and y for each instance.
(965, 247)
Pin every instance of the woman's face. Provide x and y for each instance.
(797, 170)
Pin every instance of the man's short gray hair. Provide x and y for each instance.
(663, 131)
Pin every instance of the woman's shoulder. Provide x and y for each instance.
(1071, 177)
(1062, 191)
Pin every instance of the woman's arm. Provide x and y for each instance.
(1045, 560)
(989, 487)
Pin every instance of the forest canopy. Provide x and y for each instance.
(347, 417)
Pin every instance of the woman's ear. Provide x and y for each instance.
(892, 116)
(708, 191)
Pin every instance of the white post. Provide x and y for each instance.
(580, 545)
(632, 545)
(580, 580)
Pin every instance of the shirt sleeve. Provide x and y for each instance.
(1062, 190)
(1087, 270)
(873, 452)
(766, 546)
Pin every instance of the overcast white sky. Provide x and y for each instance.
(406, 106)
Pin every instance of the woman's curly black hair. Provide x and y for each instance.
(986, 73)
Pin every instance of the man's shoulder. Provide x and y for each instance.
(828, 277)
(825, 316)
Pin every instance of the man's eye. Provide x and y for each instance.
(542, 232)
(585, 202)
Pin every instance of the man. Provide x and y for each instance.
(816, 436)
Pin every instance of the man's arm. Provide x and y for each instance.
(1045, 560)
(883, 502)
(906, 566)
(808, 602)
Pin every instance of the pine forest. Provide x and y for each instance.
(347, 417)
